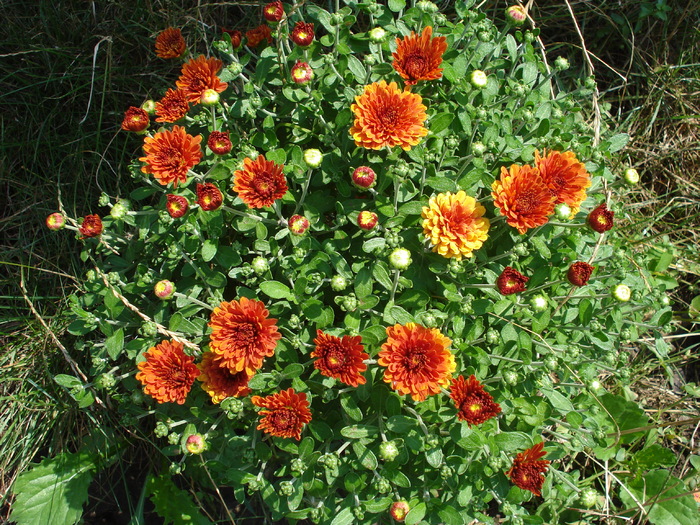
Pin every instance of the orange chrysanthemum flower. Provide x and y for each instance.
(255, 37)
(170, 44)
(454, 224)
(523, 197)
(419, 57)
(242, 335)
(260, 183)
(198, 75)
(90, 227)
(473, 403)
(135, 119)
(220, 382)
(167, 373)
(287, 413)
(341, 358)
(173, 106)
(171, 154)
(565, 177)
(387, 116)
(417, 360)
(528, 469)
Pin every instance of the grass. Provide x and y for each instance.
(68, 73)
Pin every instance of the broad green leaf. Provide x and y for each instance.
(350, 407)
(115, 344)
(356, 68)
(617, 142)
(208, 250)
(662, 496)
(416, 514)
(365, 455)
(512, 441)
(441, 122)
(172, 504)
(397, 5)
(378, 505)
(276, 290)
(360, 431)
(344, 517)
(654, 456)
(558, 401)
(54, 491)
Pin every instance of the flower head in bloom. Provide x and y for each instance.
(135, 119)
(257, 36)
(198, 75)
(219, 142)
(473, 403)
(91, 226)
(167, 373)
(523, 197)
(364, 178)
(511, 281)
(387, 116)
(601, 218)
(455, 224)
(367, 220)
(302, 34)
(242, 334)
(417, 359)
(419, 57)
(176, 205)
(340, 357)
(285, 413)
(55, 221)
(171, 154)
(565, 177)
(302, 73)
(579, 273)
(398, 510)
(236, 37)
(298, 224)
(273, 12)
(260, 183)
(528, 469)
(221, 382)
(170, 44)
(173, 106)
(209, 197)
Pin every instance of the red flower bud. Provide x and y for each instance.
(176, 205)
(511, 281)
(303, 34)
(298, 224)
(398, 510)
(236, 37)
(273, 12)
(302, 73)
(367, 220)
(601, 219)
(364, 178)
(209, 197)
(91, 226)
(579, 273)
(135, 119)
(55, 221)
(219, 142)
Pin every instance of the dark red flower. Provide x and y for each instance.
(236, 37)
(341, 358)
(303, 34)
(273, 12)
(579, 273)
(209, 197)
(286, 413)
(167, 373)
(219, 142)
(135, 119)
(176, 205)
(170, 44)
(601, 219)
(511, 281)
(256, 36)
(528, 469)
(173, 106)
(473, 403)
(198, 75)
(91, 226)
(260, 183)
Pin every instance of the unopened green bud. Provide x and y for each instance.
(377, 35)
(339, 283)
(313, 157)
(195, 444)
(479, 79)
(400, 259)
(588, 497)
(631, 177)
(388, 451)
(561, 64)
(622, 292)
(120, 209)
(260, 265)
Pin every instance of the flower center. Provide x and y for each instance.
(335, 358)
(244, 336)
(526, 201)
(283, 419)
(415, 64)
(265, 184)
(389, 117)
(415, 358)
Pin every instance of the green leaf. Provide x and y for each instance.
(172, 504)
(356, 68)
(617, 142)
(558, 401)
(360, 431)
(363, 283)
(449, 515)
(441, 184)
(397, 5)
(441, 122)
(654, 456)
(416, 514)
(208, 250)
(376, 506)
(628, 415)
(67, 381)
(512, 441)
(344, 517)
(434, 457)
(381, 274)
(276, 290)
(365, 455)
(400, 424)
(350, 407)
(662, 496)
(54, 491)
(115, 344)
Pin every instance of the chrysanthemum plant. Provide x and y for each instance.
(375, 272)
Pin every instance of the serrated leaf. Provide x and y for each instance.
(617, 142)
(276, 290)
(54, 491)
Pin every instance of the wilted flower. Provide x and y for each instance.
(473, 403)
(167, 373)
(199, 75)
(419, 57)
(303, 34)
(91, 226)
(386, 116)
(258, 35)
(176, 205)
(219, 142)
(340, 357)
(417, 359)
(454, 224)
(173, 106)
(579, 273)
(171, 154)
(528, 469)
(135, 119)
(511, 281)
(601, 218)
(170, 44)
(285, 413)
(260, 183)
(209, 196)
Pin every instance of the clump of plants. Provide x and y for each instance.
(374, 274)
